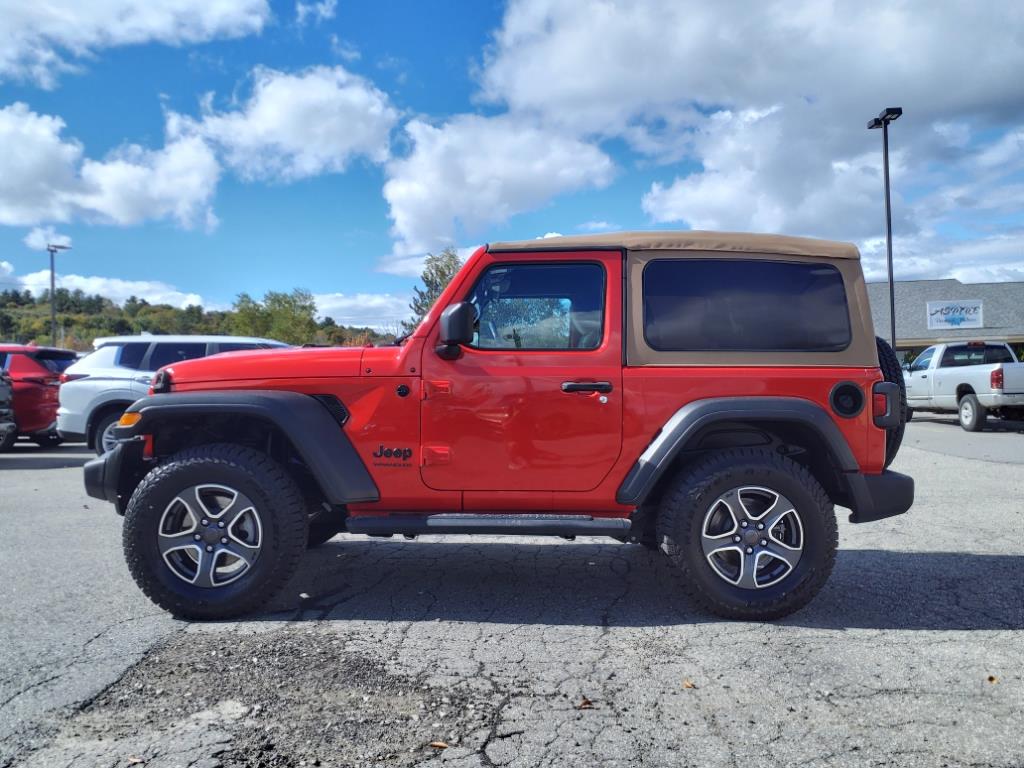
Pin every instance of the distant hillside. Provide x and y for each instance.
(288, 317)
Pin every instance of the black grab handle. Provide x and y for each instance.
(586, 386)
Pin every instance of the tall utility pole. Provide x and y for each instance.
(888, 115)
(53, 248)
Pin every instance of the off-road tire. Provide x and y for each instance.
(892, 372)
(272, 491)
(973, 417)
(681, 516)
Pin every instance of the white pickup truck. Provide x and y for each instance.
(973, 378)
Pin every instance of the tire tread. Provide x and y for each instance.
(687, 495)
(288, 509)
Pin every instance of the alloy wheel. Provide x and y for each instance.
(752, 537)
(107, 439)
(210, 535)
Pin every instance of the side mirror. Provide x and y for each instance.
(906, 367)
(457, 323)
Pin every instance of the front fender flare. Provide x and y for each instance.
(314, 432)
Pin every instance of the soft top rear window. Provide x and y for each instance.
(744, 305)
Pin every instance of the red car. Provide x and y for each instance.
(708, 395)
(35, 374)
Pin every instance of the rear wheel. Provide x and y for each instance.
(214, 532)
(972, 414)
(891, 371)
(752, 532)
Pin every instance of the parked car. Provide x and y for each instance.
(97, 388)
(35, 377)
(972, 379)
(8, 427)
(709, 395)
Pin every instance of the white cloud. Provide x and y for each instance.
(315, 12)
(44, 178)
(474, 171)
(983, 259)
(40, 237)
(135, 184)
(38, 169)
(115, 289)
(374, 310)
(40, 40)
(297, 125)
(596, 226)
(344, 50)
(767, 104)
(605, 65)
(549, 235)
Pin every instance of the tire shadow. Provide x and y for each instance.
(625, 585)
(25, 455)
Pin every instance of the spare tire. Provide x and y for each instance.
(891, 371)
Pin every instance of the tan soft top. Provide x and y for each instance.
(692, 240)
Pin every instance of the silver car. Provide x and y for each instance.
(97, 389)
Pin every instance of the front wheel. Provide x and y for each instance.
(972, 414)
(214, 532)
(752, 532)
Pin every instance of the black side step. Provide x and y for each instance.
(522, 524)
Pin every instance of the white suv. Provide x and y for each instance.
(95, 391)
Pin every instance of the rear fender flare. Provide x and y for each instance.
(315, 433)
(689, 421)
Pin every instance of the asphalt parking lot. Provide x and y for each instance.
(526, 652)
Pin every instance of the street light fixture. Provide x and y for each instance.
(888, 115)
(53, 248)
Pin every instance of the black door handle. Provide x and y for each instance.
(586, 386)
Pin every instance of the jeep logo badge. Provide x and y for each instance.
(398, 456)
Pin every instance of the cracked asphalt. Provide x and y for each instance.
(525, 652)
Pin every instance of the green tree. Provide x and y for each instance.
(438, 271)
(288, 317)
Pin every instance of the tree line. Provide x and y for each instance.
(290, 317)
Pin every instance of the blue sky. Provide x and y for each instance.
(193, 150)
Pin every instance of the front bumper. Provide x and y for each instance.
(875, 497)
(102, 473)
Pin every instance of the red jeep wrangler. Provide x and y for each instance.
(709, 395)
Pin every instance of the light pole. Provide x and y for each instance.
(53, 248)
(888, 115)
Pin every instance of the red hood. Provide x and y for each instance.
(269, 364)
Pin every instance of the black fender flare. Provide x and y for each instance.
(315, 432)
(688, 421)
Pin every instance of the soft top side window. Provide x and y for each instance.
(744, 305)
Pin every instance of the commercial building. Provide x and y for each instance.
(933, 311)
